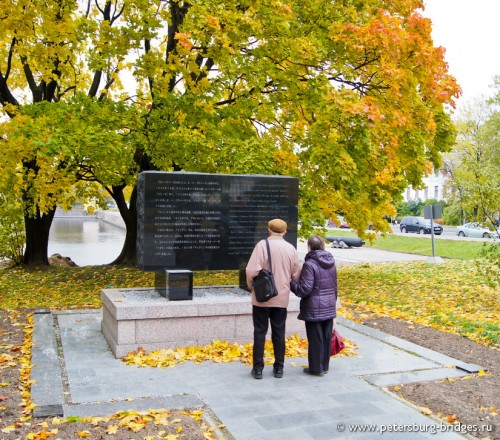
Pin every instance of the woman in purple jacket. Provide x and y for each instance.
(317, 287)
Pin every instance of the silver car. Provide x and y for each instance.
(475, 230)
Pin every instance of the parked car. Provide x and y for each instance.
(420, 225)
(475, 230)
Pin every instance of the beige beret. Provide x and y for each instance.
(277, 225)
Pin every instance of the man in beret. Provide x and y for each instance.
(285, 262)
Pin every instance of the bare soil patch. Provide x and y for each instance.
(474, 400)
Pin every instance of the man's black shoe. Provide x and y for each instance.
(278, 372)
(257, 374)
(313, 373)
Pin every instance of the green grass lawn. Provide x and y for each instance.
(464, 250)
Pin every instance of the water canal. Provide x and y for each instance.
(88, 241)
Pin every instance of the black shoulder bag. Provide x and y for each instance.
(263, 283)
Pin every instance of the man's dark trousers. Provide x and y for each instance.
(261, 317)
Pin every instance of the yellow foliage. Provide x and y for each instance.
(9, 429)
(112, 429)
(438, 297)
(425, 410)
(25, 370)
(42, 435)
(223, 351)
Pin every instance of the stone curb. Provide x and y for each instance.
(410, 347)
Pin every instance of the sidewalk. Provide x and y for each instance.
(363, 254)
(86, 380)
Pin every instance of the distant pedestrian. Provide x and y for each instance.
(285, 266)
(317, 287)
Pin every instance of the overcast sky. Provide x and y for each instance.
(469, 30)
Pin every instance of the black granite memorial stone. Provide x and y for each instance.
(200, 221)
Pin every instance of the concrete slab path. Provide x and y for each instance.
(76, 374)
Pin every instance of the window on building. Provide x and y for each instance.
(436, 192)
(408, 193)
(426, 193)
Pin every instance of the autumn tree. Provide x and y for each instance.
(473, 166)
(51, 66)
(348, 96)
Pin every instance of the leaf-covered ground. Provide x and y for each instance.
(445, 307)
(451, 297)
(223, 351)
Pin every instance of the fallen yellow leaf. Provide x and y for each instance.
(8, 429)
(112, 429)
(425, 410)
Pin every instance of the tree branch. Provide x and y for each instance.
(35, 90)
(117, 16)
(5, 93)
(94, 87)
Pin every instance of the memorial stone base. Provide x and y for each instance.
(141, 318)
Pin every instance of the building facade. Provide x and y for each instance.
(433, 188)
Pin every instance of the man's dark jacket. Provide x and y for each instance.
(317, 287)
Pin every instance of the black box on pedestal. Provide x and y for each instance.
(175, 284)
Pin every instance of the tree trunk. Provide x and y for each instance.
(37, 238)
(128, 255)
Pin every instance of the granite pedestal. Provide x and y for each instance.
(134, 318)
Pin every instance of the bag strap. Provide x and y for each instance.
(269, 255)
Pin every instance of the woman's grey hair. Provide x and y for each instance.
(316, 243)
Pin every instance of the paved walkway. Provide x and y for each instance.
(362, 254)
(70, 345)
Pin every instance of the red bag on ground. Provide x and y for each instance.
(337, 343)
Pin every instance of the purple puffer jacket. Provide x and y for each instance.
(317, 287)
